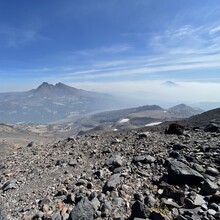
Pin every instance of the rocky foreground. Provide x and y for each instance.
(120, 175)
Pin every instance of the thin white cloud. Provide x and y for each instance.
(172, 57)
(103, 50)
(115, 73)
(16, 36)
(214, 30)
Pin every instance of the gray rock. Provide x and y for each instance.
(150, 201)
(209, 186)
(214, 206)
(181, 173)
(189, 213)
(170, 203)
(217, 215)
(118, 201)
(2, 214)
(175, 129)
(139, 159)
(198, 167)
(95, 203)
(72, 162)
(211, 128)
(174, 154)
(83, 210)
(11, 184)
(212, 171)
(106, 208)
(65, 216)
(115, 161)
(107, 150)
(178, 147)
(139, 210)
(204, 207)
(181, 217)
(60, 162)
(150, 159)
(120, 169)
(32, 144)
(156, 216)
(144, 135)
(211, 212)
(111, 184)
(56, 216)
(198, 200)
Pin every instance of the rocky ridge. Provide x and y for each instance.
(116, 175)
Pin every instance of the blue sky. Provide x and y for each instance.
(127, 47)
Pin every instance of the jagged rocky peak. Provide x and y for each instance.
(57, 89)
(63, 86)
(59, 84)
(45, 85)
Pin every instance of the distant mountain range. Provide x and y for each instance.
(133, 118)
(61, 103)
(49, 103)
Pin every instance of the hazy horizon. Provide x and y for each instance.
(127, 49)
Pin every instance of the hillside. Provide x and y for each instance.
(116, 175)
(133, 118)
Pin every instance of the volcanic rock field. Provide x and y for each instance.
(115, 175)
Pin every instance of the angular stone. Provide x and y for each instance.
(111, 184)
(2, 214)
(72, 162)
(198, 201)
(115, 161)
(120, 169)
(60, 162)
(106, 208)
(209, 186)
(178, 147)
(139, 210)
(11, 184)
(198, 167)
(144, 135)
(56, 216)
(211, 212)
(212, 171)
(95, 203)
(139, 159)
(83, 210)
(170, 202)
(150, 159)
(156, 216)
(181, 173)
(175, 129)
(211, 128)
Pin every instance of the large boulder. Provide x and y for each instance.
(180, 173)
(209, 186)
(175, 129)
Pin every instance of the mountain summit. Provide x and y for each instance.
(48, 103)
(59, 89)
